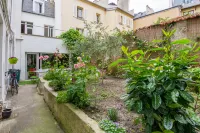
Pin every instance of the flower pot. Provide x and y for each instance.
(6, 113)
(13, 60)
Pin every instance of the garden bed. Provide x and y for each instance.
(71, 119)
(107, 96)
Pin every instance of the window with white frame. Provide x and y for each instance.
(79, 12)
(38, 6)
(27, 27)
(98, 18)
(48, 31)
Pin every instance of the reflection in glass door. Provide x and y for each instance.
(32, 64)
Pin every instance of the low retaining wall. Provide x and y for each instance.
(71, 119)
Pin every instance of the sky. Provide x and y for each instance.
(140, 5)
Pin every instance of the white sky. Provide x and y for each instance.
(140, 5)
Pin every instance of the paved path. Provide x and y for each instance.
(30, 114)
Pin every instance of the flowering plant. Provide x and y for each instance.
(46, 62)
(13, 60)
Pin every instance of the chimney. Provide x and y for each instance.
(123, 4)
(149, 10)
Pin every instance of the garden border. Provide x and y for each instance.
(70, 118)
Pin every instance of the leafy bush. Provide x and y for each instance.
(76, 92)
(110, 127)
(58, 79)
(113, 114)
(158, 87)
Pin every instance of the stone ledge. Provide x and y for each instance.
(71, 119)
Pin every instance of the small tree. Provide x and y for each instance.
(71, 38)
(100, 44)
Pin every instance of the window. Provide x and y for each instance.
(80, 12)
(80, 30)
(185, 13)
(121, 20)
(38, 7)
(48, 31)
(98, 16)
(191, 12)
(27, 27)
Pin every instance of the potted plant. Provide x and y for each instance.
(13, 60)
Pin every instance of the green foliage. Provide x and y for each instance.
(113, 114)
(58, 78)
(158, 87)
(71, 38)
(76, 92)
(161, 20)
(100, 44)
(110, 127)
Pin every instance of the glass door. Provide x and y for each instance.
(32, 64)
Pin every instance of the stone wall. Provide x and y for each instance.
(71, 119)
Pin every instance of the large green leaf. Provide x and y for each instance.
(186, 96)
(180, 118)
(175, 105)
(135, 52)
(175, 95)
(169, 85)
(150, 120)
(168, 122)
(182, 41)
(148, 128)
(156, 101)
(138, 106)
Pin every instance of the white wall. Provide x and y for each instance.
(38, 22)
(35, 44)
(58, 14)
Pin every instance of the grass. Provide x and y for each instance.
(27, 82)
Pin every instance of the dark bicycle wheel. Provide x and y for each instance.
(16, 87)
(12, 90)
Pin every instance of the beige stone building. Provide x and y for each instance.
(146, 19)
(75, 12)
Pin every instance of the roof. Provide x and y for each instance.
(108, 7)
(190, 5)
(137, 17)
(177, 19)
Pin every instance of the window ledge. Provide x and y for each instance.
(39, 36)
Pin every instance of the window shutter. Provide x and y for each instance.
(75, 11)
(85, 14)
(119, 18)
(125, 20)
(131, 23)
(85, 32)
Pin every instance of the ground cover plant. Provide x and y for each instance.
(158, 88)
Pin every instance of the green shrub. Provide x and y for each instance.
(58, 79)
(158, 87)
(111, 127)
(113, 114)
(62, 97)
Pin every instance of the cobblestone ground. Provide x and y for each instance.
(30, 114)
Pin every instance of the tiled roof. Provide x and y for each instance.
(177, 19)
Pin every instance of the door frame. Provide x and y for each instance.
(26, 64)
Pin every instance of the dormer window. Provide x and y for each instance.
(38, 6)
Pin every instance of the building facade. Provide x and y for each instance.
(37, 25)
(75, 12)
(182, 2)
(7, 38)
(152, 18)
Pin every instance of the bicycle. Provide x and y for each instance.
(12, 80)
